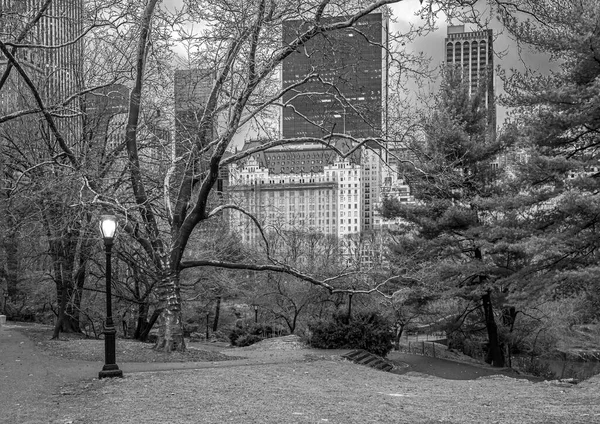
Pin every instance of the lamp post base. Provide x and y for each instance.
(110, 368)
(110, 371)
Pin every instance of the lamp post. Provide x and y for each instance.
(5, 302)
(108, 228)
(256, 314)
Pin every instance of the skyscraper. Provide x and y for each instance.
(53, 61)
(53, 58)
(472, 53)
(192, 88)
(347, 93)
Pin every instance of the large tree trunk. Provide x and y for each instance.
(294, 321)
(150, 324)
(62, 302)
(399, 331)
(142, 321)
(495, 355)
(68, 318)
(349, 314)
(63, 251)
(170, 335)
(73, 307)
(217, 311)
(11, 249)
(509, 316)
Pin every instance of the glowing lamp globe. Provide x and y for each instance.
(108, 226)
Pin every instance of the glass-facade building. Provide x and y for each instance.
(345, 91)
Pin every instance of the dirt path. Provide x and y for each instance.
(29, 377)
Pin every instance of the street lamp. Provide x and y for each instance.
(108, 228)
(256, 314)
(5, 302)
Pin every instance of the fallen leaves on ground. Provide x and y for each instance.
(330, 391)
(76, 346)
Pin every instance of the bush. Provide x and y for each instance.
(247, 340)
(368, 331)
(247, 335)
(252, 333)
(235, 334)
(219, 336)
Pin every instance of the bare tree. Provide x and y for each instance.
(242, 42)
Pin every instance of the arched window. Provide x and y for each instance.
(449, 49)
(457, 51)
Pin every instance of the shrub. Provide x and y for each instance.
(367, 330)
(246, 336)
(260, 330)
(219, 336)
(247, 340)
(257, 331)
(235, 334)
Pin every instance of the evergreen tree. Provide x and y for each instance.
(448, 223)
(558, 116)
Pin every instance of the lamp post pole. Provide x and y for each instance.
(256, 314)
(110, 369)
(5, 302)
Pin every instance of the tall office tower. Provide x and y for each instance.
(103, 106)
(54, 52)
(104, 120)
(191, 89)
(473, 54)
(53, 57)
(350, 95)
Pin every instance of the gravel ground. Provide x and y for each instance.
(328, 391)
(310, 387)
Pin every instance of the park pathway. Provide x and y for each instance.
(31, 382)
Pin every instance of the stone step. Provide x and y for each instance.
(354, 354)
(362, 357)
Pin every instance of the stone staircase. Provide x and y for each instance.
(363, 357)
